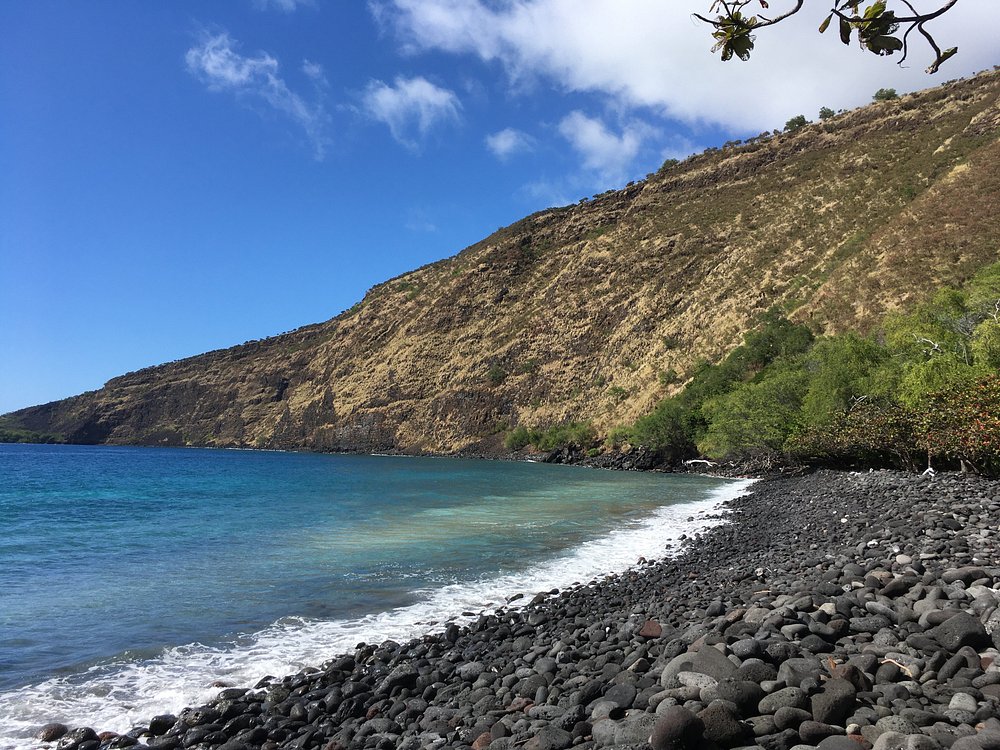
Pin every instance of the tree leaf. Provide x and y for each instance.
(845, 31)
(826, 23)
(884, 45)
(875, 10)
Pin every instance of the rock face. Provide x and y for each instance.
(575, 312)
(576, 670)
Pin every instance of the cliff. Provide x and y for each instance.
(584, 312)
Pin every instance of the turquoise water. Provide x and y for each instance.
(132, 578)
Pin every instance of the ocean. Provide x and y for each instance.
(132, 579)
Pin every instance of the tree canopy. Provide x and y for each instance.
(878, 28)
(926, 386)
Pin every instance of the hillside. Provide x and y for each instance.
(577, 312)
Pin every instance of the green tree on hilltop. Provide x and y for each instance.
(799, 121)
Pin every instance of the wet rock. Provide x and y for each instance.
(405, 675)
(161, 724)
(75, 738)
(51, 732)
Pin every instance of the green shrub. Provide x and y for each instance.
(618, 436)
(617, 393)
(528, 366)
(841, 370)
(884, 95)
(795, 123)
(14, 434)
(873, 433)
(926, 390)
(666, 430)
(963, 425)
(756, 416)
(496, 375)
(518, 438)
(668, 377)
(573, 434)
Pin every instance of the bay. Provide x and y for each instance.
(131, 579)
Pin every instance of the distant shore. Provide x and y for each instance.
(834, 609)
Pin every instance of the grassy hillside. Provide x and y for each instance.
(597, 311)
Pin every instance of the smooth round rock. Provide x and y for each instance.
(676, 729)
(51, 732)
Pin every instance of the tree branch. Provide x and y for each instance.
(875, 32)
(760, 24)
(916, 17)
(934, 346)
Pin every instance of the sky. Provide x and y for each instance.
(177, 177)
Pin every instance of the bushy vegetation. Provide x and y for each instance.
(925, 389)
(885, 95)
(11, 433)
(573, 434)
(799, 121)
(681, 426)
(496, 374)
(518, 438)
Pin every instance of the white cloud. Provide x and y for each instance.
(411, 107)
(651, 54)
(604, 152)
(548, 192)
(508, 142)
(315, 72)
(418, 221)
(218, 64)
(286, 6)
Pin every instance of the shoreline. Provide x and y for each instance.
(137, 690)
(881, 586)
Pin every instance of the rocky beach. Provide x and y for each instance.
(832, 610)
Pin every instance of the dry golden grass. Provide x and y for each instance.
(565, 314)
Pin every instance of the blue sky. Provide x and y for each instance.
(181, 176)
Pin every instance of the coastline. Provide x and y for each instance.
(831, 608)
(119, 691)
